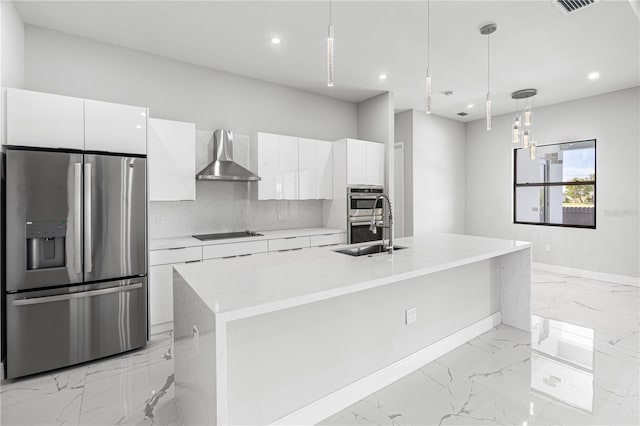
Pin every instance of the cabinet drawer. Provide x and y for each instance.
(233, 249)
(289, 243)
(177, 255)
(325, 240)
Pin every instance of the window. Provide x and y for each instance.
(558, 188)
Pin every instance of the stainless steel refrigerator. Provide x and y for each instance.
(75, 246)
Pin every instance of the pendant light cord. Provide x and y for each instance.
(428, 34)
(488, 63)
(329, 12)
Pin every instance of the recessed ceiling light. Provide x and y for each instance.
(594, 75)
(382, 77)
(275, 40)
(470, 105)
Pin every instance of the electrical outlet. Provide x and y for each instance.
(280, 216)
(159, 221)
(410, 316)
(547, 248)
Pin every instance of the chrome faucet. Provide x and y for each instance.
(374, 228)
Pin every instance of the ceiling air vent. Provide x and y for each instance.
(570, 6)
(462, 114)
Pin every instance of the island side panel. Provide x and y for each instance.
(282, 361)
(194, 355)
(513, 271)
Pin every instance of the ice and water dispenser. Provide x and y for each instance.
(46, 244)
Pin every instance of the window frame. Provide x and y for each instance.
(551, 184)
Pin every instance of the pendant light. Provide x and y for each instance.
(525, 125)
(515, 130)
(330, 51)
(488, 30)
(428, 77)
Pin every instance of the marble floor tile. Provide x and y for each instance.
(489, 380)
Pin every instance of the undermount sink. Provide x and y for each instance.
(366, 250)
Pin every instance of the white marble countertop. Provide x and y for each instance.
(189, 241)
(245, 287)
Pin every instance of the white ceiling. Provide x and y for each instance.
(535, 45)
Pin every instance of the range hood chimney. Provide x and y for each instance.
(223, 168)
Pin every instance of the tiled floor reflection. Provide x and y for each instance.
(582, 368)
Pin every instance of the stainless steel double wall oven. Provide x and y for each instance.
(361, 204)
(75, 244)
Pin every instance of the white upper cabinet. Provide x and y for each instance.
(375, 163)
(172, 160)
(325, 170)
(315, 168)
(288, 167)
(115, 128)
(365, 162)
(293, 168)
(44, 120)
(268, 149)
(356, 162)
(307, 169)
(277, 167)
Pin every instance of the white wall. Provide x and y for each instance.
(64, 64)
(375, 123)
(403, 130)
(12, 46)
(612, 119)
(438, 174)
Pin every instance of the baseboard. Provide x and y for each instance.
(343, 398)
(584, 273)
(161, 328)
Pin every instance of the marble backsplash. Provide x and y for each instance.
(229, 206)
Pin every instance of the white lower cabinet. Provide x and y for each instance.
(289, 243)
(161, 280)
(328, 239)
(234, 249)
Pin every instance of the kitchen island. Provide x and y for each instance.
(291, 338)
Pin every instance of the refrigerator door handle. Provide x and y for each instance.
(88, 262)
(77, 218)
(79, 295)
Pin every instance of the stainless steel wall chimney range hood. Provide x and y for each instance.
(223, 168)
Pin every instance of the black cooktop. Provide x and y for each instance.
(225, 235)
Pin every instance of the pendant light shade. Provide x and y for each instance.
(330, 50)
(488, 30)
(525, 139)
(532, 150)
(330, 56)
(488, 111)
(515, 130)
(527, 116)
(428, 90)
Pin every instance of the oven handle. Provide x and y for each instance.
(78, 295)
(379, 223)
(363, 196)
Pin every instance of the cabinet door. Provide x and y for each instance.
(160, 294)
(44, 120)
(288, 168)
(172, 160)
(375, 163)
(115, 128)
(268, 166)
(356, 162)
(307, 169)
(325, 169)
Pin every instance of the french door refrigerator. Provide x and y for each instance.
(75, 281)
